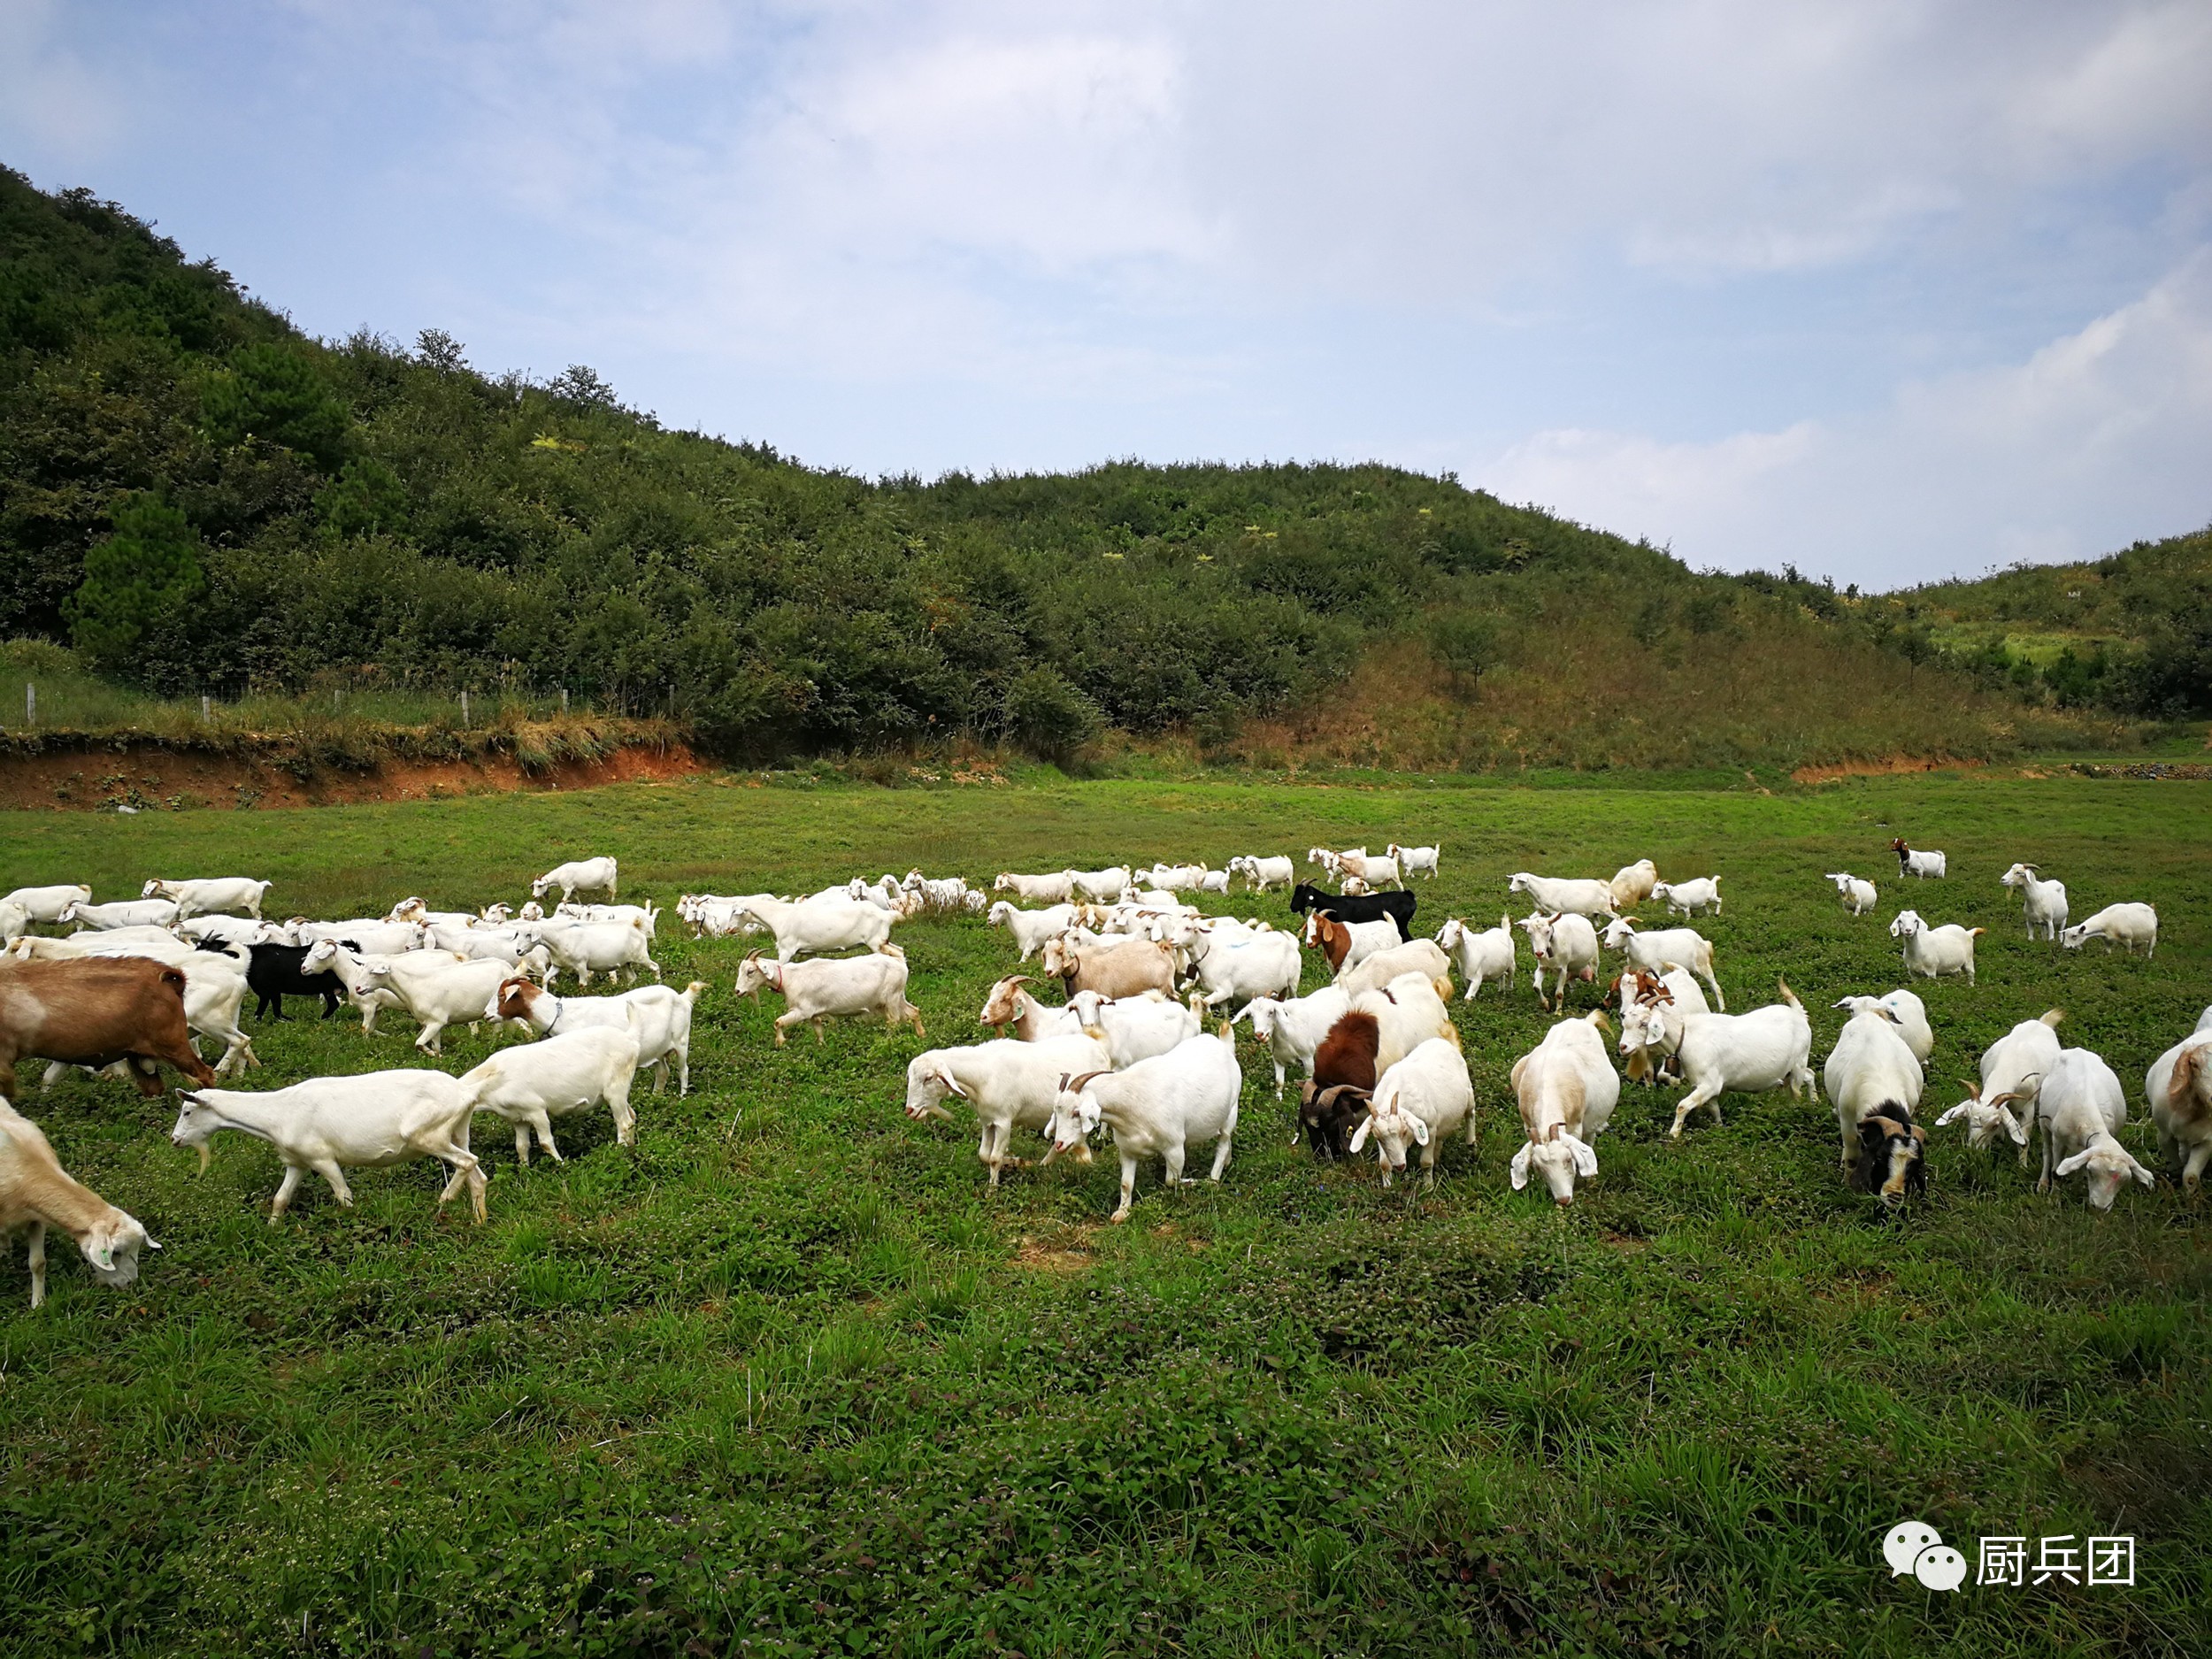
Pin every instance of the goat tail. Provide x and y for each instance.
(2051, 1017)
(1789, 995)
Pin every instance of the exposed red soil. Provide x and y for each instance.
(1890, 767)
(152, 776)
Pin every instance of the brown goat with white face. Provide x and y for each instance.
(1127, 969)
(94, 1011)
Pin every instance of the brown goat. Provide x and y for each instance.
(1331, 937)
(94, 1011)
(1332, 1102)
(1127, 969)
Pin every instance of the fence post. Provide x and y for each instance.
(30, 703)
(465, 708)
(563, 699)
(206, 710)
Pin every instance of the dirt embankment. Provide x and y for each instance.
(143, 776)
(1889, 767)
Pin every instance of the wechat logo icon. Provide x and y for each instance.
(1916, 1547)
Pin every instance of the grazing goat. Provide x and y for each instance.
(533, 1083)
(36, 1193)
(2126, 926)
(1294, 1029)
(1104, 887)
(1566, 896)
(94, 1011)
(1665, 947)
(1009, 1086)
(2081, 1106)
(2178, 1088)
(1689, 898)
(1421, 1100)
(873, 985)
(1935, 952)
(1870, 1072)
(1488, 955)
(584, 875)
(1893, 1159)
(1332, 1100)
(1920, 865)
(659, 1016)
(1010, 1006)
(1666, 1000)
(1375, 869)
(1858, 896)
(1565, 946)
(1158, 1108)
(330, 1124)
(1910, 1013)
(2042, 902)
(1566, 1089)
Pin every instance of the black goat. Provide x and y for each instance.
(275, 974)
(1368, 907)
(1893, 1155)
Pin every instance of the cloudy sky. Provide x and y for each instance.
(1888, 288)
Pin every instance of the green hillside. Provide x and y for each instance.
(202, 500)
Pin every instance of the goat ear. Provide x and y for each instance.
(2141, 1174)
(1519, 1171)
(1359, 1135)
(951, 1083)
(1420, 1130)
(1953, 1116)
(2074, 1162)
(101, 1252)
(1585, 1159)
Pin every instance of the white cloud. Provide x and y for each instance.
(53, 98)
(2098, 437)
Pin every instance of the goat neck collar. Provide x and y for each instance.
(559, 1008)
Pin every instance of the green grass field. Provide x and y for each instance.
(785, 1379)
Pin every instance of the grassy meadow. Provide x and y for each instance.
(785, 1378)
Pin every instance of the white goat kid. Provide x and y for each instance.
(2043, 903)
(1935, 952)
(1858, 895)
(1158, 1108)
(331, 1124)
(1689, 898)
(841, 987)
(2126, 926)
(1566, 1089)
(532, 1083)
(583, 875)
(1419, 1102)
(1427, 861)
(1292, 1030)
(1480, 956)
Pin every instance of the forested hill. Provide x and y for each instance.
(195, 494)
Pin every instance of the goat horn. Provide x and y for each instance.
(1075, 1085)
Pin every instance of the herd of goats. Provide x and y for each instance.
(1142, 1043)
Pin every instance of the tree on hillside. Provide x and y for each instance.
(275, 394)
(140, 581)
(1466, 645)
(1049, 717)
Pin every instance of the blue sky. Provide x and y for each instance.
(1888, 290)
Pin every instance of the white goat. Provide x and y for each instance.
(1009, 1086)
(584, 949)
(2126, 926)
(1292, 1030)
(1858, 896)
(1748, 1054)
(1229, 970)
(439, 989)
(1135, 1028)
(2012, 1072)
(1488, 955)
(2081, 1106)
(1566, 1089)
(1689, 898)
(331, 1124)
(1632, 884)
(46, 904)
(1030, 928)
(584, 875)
(1910, 1013)
(1420, 1100)
(124, 913)
(1058, 887)
(1665, 947)
(2043, 903)
(1263, 873)
(1566, 896)
(2178, 1088)
(868, 986)
(657, 1016)
(1921, 865)
(1418, 860)
(1424, 956)
(217, 893)
(1565, 945)
(36, 1193)
(1158, 1108)
(1935, 952)
(533, 1083)
(821, 925)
